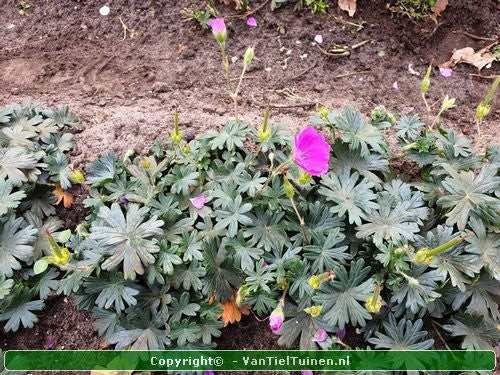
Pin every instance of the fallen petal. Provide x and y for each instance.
(318, 39)
(252, 22)
(395, 86)
(446, 72)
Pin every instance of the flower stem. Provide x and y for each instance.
(302, 223)
(425, 102)
(274, 173)
(431, 127)
(449, 244)
(225, 61)
(234, 95)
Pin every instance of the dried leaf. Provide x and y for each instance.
(63, 196)
(237, 3)
(439, 8)
(231, 313)
(467, 55)
(348, 5)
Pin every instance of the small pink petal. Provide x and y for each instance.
(320, 336)
(395, 86)
(318, 39)
(198, 202)
(446, 72)
(251, 21)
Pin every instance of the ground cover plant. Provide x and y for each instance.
(184, 240)
(34, 175)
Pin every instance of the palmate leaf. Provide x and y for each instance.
(485, 246)
(266, 230)
(113, 291)
(250, 184)
(262, 303)
(181, 180)
(107, 321)
(190, 246)
(402, 335)
(19, 311)
(393, 222)
(342, 297)
(9, 199)
(482, 295)
(18, 136)
(260, 278)
(234, 214)
(127, 238)
(182, 306)
(300, 325)
(15, 244)
(15, 163)
(233, 135)
(408, 127)
(147, 336)
(222, 276)
(298, 276)
(62, 117)
(479, 334)
(58, 142)
(349, 194)
(418, 290)
(5, 286)
(324, 253)
(102, 170)
(189, 277)
(46, 283)
(57, 165)
(185, 331)
(465, 191)
(452, 263)
(167, 258)
(245, 254)
(210, 329)
(359, 133)
(366, 166)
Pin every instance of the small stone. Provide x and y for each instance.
(160, 86)
(104, 11)
(15, 91)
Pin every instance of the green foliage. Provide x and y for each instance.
(32, 161)
(174, 240)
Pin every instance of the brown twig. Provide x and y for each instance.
(474, 36)
(304, 72)
(352, 74)
(439, 335)
(481, 76)
(361, 44)
(258, 8)
(282, 106)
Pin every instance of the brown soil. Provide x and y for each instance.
(125, 91)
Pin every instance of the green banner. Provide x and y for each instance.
(248, 360)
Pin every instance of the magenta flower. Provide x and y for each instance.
(208, 372)
(198, 202)
(306, 372)
(219, 29)
(446, 72)
(251, 21)
(311, 152)
(320, 336)
(276, 319)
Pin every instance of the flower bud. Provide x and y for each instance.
(423, 256)
(176, 136)
(316, 280)
(248, 57)
(320, 336)
(323, 111)
(426, 81)
(241, 295)
(314, 311)
(482, 111)
(373, 304)
(276, 319)
(76, 176)
(304, 178)
(145, 163)
(288, 188)
(263, 133)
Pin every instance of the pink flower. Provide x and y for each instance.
(198, 202)
(219, 29)
(251, 21)
(306, 372)
(320, 336)
(446, 72)
(276, 319)
(311, 152)
(395, 86)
